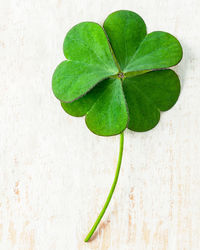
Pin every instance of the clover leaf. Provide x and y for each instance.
(118, 77)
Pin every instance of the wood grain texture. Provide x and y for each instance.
(55, 174)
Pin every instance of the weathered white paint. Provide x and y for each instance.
(55, 174)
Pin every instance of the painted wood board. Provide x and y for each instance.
(55, 174)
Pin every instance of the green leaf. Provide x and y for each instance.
(125, 30)
(158, 50)
(119, 84)
(147, 95)
(108, 116)
(89, 61)
(81, 106)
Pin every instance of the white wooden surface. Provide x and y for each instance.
(55, 174)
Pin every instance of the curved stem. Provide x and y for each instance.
(111, 190)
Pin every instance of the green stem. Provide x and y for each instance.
(111, 190)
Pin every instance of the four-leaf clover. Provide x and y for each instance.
(116, 75)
